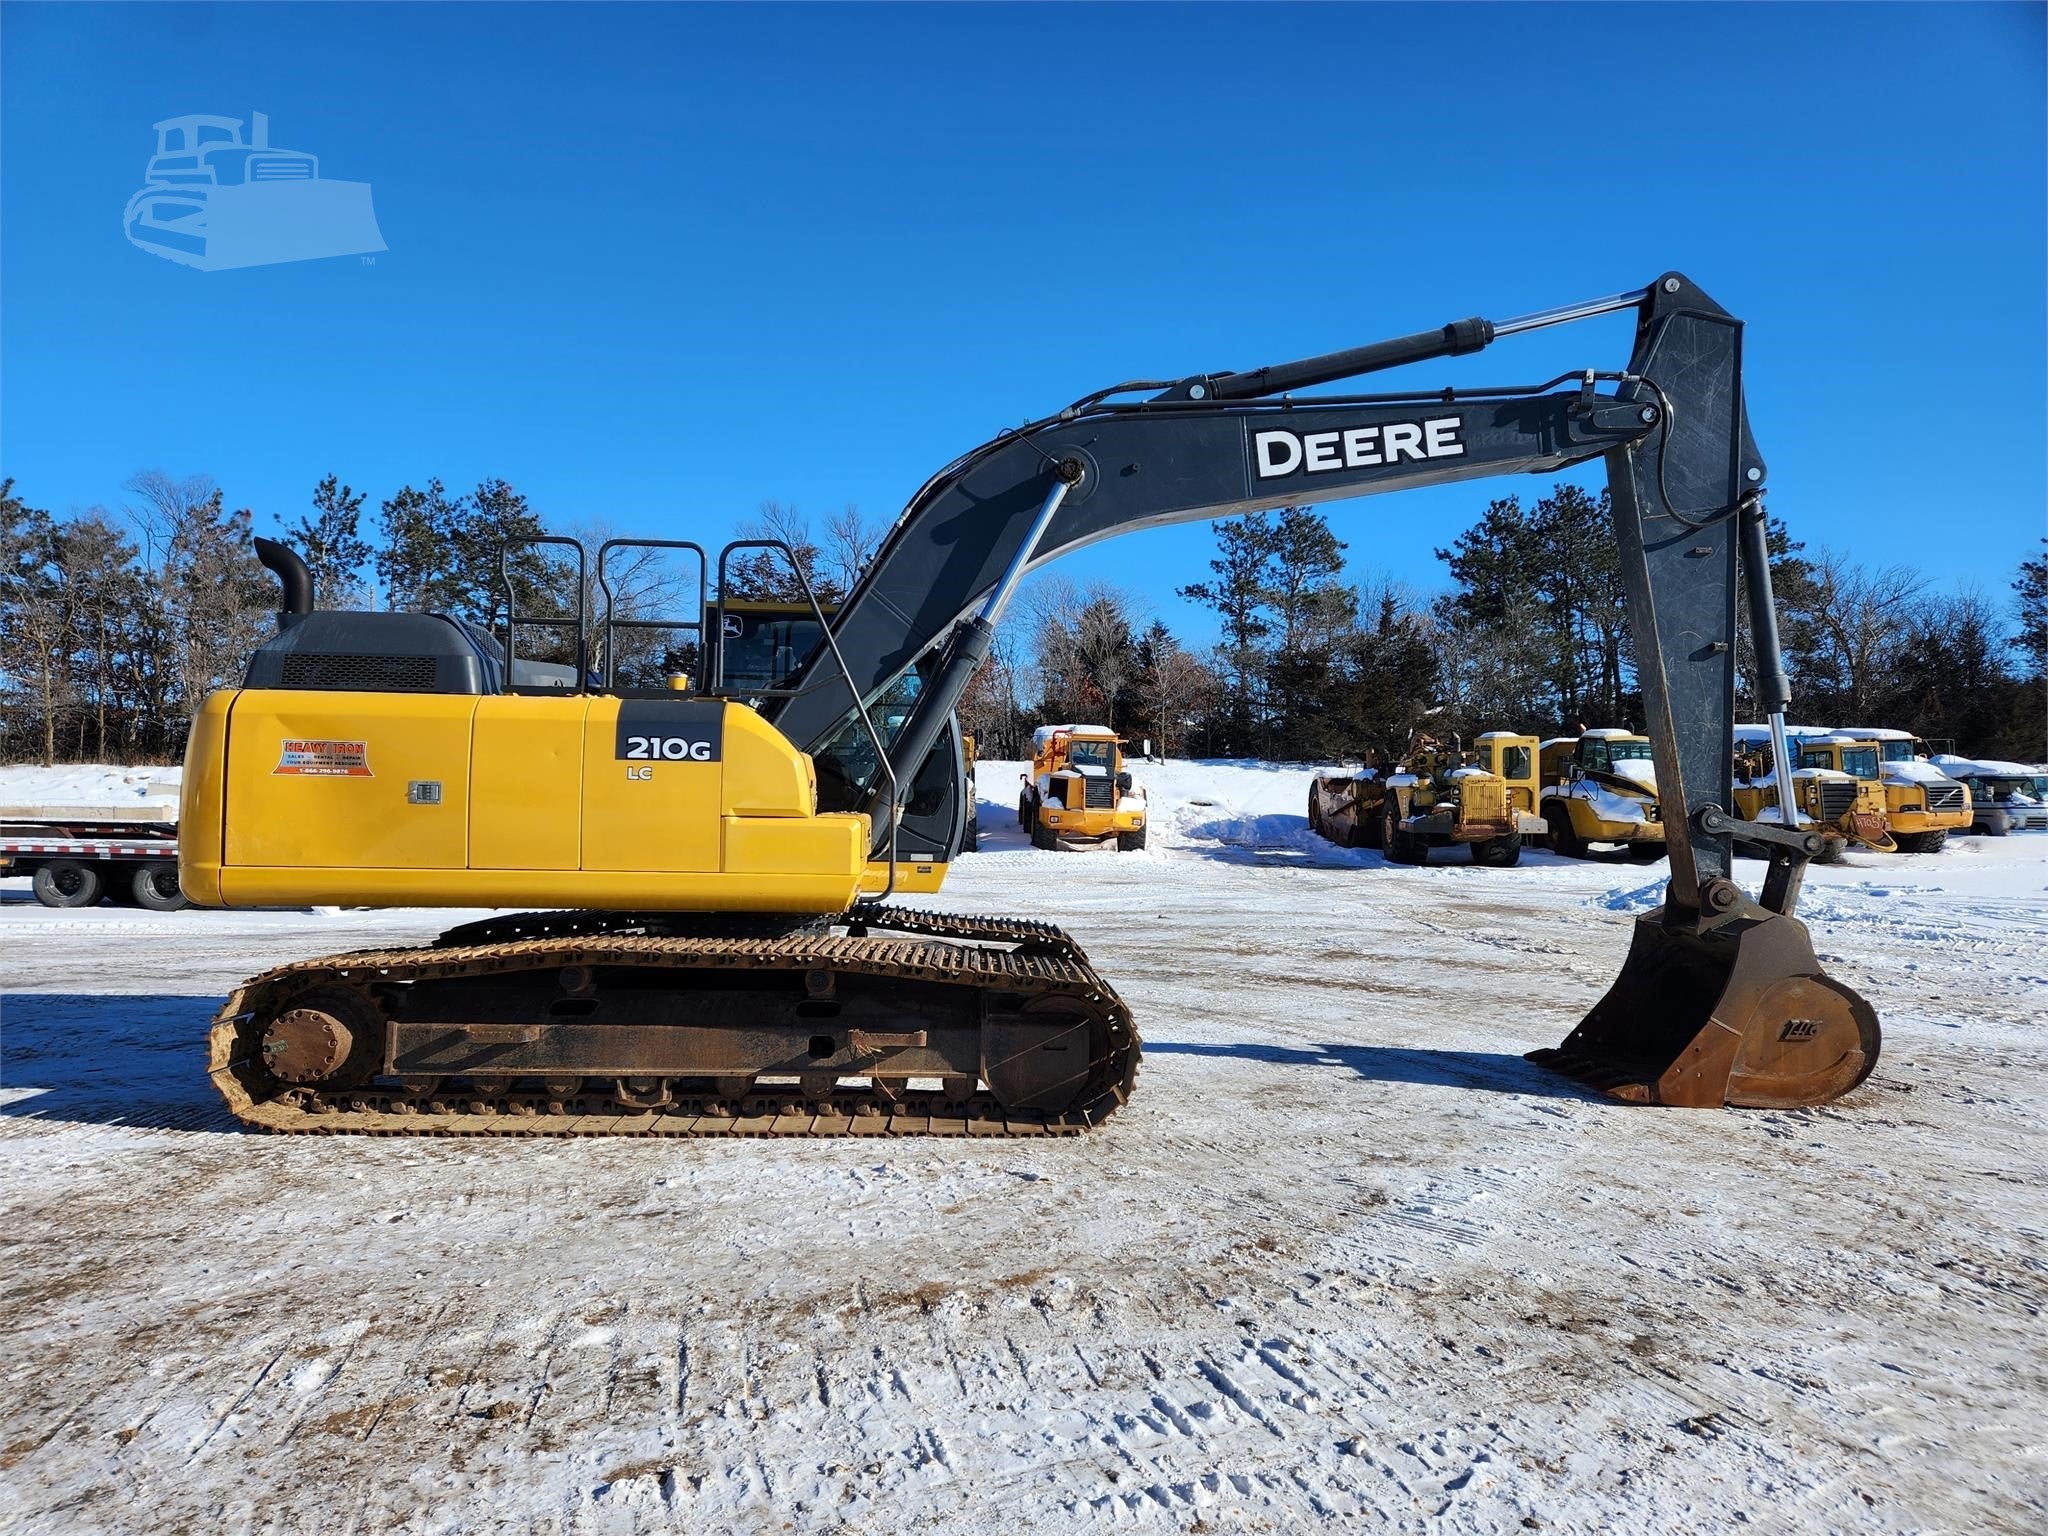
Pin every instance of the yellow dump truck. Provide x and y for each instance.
(1078, 796)
(1922, 803)
(1837, 789)
(1483, 796)
(970, 839)
(1601, 787)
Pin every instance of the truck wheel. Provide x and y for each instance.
(1368, 829)
(1024, 811)
(66, 883)
(1396, 844)
(970, 840)
(1130, 842)
(1044, 837)
(1564, 838)
(1315, 815)
(155, 886)
(1499, 852)
(1921, 842)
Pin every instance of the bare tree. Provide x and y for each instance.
(765, 574)
(988, 709)
(850, 544)
(1859, 616)
(1177, 687)
(646, 585)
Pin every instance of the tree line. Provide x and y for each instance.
(1531, 634)
(115, 623)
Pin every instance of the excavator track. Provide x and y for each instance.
(357, 1043)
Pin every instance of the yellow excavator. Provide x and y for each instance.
(714, 951)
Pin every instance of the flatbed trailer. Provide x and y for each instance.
(77, 863)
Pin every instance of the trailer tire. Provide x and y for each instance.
(1315, 814)
(1503, 852)
(66, 883)
(1130, 842)
(155, 885)
(1024, 817)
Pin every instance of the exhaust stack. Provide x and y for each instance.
(295, 597)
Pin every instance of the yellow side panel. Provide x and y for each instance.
(911, 879)
(829, 847)
(526, 783)
(199, 800)
(629, 889)
(648, 803)
(322, 779)
(764, 774)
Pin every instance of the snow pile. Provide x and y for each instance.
(1914, 771)
(1610, 805)
(1637, 770)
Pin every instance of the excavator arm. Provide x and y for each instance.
(1722, 999)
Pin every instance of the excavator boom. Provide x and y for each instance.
(1691, 1021)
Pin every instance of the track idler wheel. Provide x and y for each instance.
(1739, 1013)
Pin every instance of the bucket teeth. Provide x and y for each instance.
(1740, 1013)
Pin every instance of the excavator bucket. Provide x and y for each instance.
(1739, 1013)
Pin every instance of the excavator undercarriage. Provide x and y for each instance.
(725, 965)
(881, 1022)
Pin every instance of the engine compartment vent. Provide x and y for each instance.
(363, 674)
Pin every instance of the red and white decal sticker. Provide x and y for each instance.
(323, 759)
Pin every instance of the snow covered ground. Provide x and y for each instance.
(82, 789)
(1345, 1256)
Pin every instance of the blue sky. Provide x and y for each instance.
(655, 264)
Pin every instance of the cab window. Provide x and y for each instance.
(1593, 753)
(1816, 758)
(1631, 751)
(1091, 754)
(1514, 762)
(1860, 762)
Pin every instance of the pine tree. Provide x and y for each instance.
(331, 544)
(1243, 577)
(2030, 590)
(35, 621)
